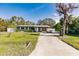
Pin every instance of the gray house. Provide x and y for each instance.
(35, 28)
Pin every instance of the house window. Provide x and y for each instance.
(22, 27)
(18, 27)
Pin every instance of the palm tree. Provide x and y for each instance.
(64, 9)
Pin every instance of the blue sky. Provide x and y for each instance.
(30, 11)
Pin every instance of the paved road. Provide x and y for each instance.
(49, 45)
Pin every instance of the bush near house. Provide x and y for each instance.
(17, 30)
(28, 30)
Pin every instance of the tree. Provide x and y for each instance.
(3, 25)
(57, 27)
(12, 22)
(21, 21)
(68, 22)
(29, 23)
(15, 20)
(47, 21)
(64, 9)
(74, 26)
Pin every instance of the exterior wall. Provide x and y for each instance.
(36, 29)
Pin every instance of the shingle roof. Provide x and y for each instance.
(33, 25)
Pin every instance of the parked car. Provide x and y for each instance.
(51, 30)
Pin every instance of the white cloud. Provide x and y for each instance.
(75, 12)
(37, 8)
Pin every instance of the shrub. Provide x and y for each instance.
(17, 30)
(28, 30)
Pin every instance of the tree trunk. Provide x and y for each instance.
(61, 33)
(67, 28)
(67, 24)
(64, 25)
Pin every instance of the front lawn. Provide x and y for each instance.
(17, 43)
(72, 40)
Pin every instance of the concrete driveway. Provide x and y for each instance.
(49, 45)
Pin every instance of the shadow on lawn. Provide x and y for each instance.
(15, 43)
(34, 34)
(75, 35)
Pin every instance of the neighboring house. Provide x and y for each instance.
(35, 28)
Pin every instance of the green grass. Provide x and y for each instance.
(16, 43)
(72, 40)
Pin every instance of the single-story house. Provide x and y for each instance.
(35, 28)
